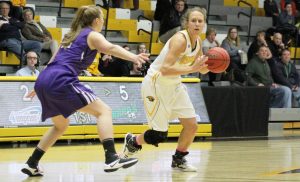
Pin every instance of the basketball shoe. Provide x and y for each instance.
(179, 162)
(32, 171)
(120, 163)
(130, 146)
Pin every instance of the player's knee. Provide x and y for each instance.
(105, 110)
(155, 137)
(192, 127)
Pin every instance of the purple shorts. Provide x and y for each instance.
(61, 93)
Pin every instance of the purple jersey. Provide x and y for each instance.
(58, 87)
(77, 56)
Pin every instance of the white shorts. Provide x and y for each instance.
(164, 100)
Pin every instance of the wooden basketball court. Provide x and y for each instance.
(263, 159)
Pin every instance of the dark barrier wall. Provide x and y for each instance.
(237, 111)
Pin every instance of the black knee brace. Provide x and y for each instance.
(155, 137)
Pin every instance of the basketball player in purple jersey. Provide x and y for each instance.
(61, 94)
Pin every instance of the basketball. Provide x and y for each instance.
(218, 60)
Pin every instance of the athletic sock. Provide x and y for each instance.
(36, 156)
(180, 154)
(109, 149)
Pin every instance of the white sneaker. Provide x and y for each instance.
(120, 163)
(32, 171)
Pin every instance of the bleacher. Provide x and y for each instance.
(125, 26)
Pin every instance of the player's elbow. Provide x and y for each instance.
(164, 71)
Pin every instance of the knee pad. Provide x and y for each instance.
(155, 137)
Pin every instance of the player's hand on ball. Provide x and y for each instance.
(31, 94)
(200, 64)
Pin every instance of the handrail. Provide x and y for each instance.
(244, 2)
(208, 11)
(59, 8)
(107, 15)
(296, 47)
(151, 33)
(249, 16)
(142, 16)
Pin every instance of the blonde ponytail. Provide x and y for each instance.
(84, 17)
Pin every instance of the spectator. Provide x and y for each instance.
(17, 8)
(162, 7)
(111, 66)
(31, 59)
(141, 48)
(259, 74)
(36, 31)
(232, 45)
(210, 40)
(135, 70)
(208, 43)
(293, 6)
(271, 10)
(10, 37)
(170, 23)
(291, 75)
(259, 40)
(276, 46)
(286, 24)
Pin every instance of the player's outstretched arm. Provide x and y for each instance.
(98, 41)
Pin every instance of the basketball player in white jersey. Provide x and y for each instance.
(165, 97)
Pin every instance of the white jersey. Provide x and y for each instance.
(165, 98)
(186, 58)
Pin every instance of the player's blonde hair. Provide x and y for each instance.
(185, 17)
(84, 17)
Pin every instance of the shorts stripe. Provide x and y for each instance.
(87, 96)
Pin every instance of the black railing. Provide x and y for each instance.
(59, 8)
(208, 11)
(150, 33)
(296, 45)
(247, 15)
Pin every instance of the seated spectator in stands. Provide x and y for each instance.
(232, 45)
(10, 37)
(135, 70)
(271, 10)
(259, 74)
(170, 23)
(286, 24)
(17, 9)
(162, 7)
(31, 59)
(111, 66)
(293, 6)
(276, 46)
(141, 48)
(208, 43)
(259, 40)
(210, 40)
(36, 31)
(291, 75)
